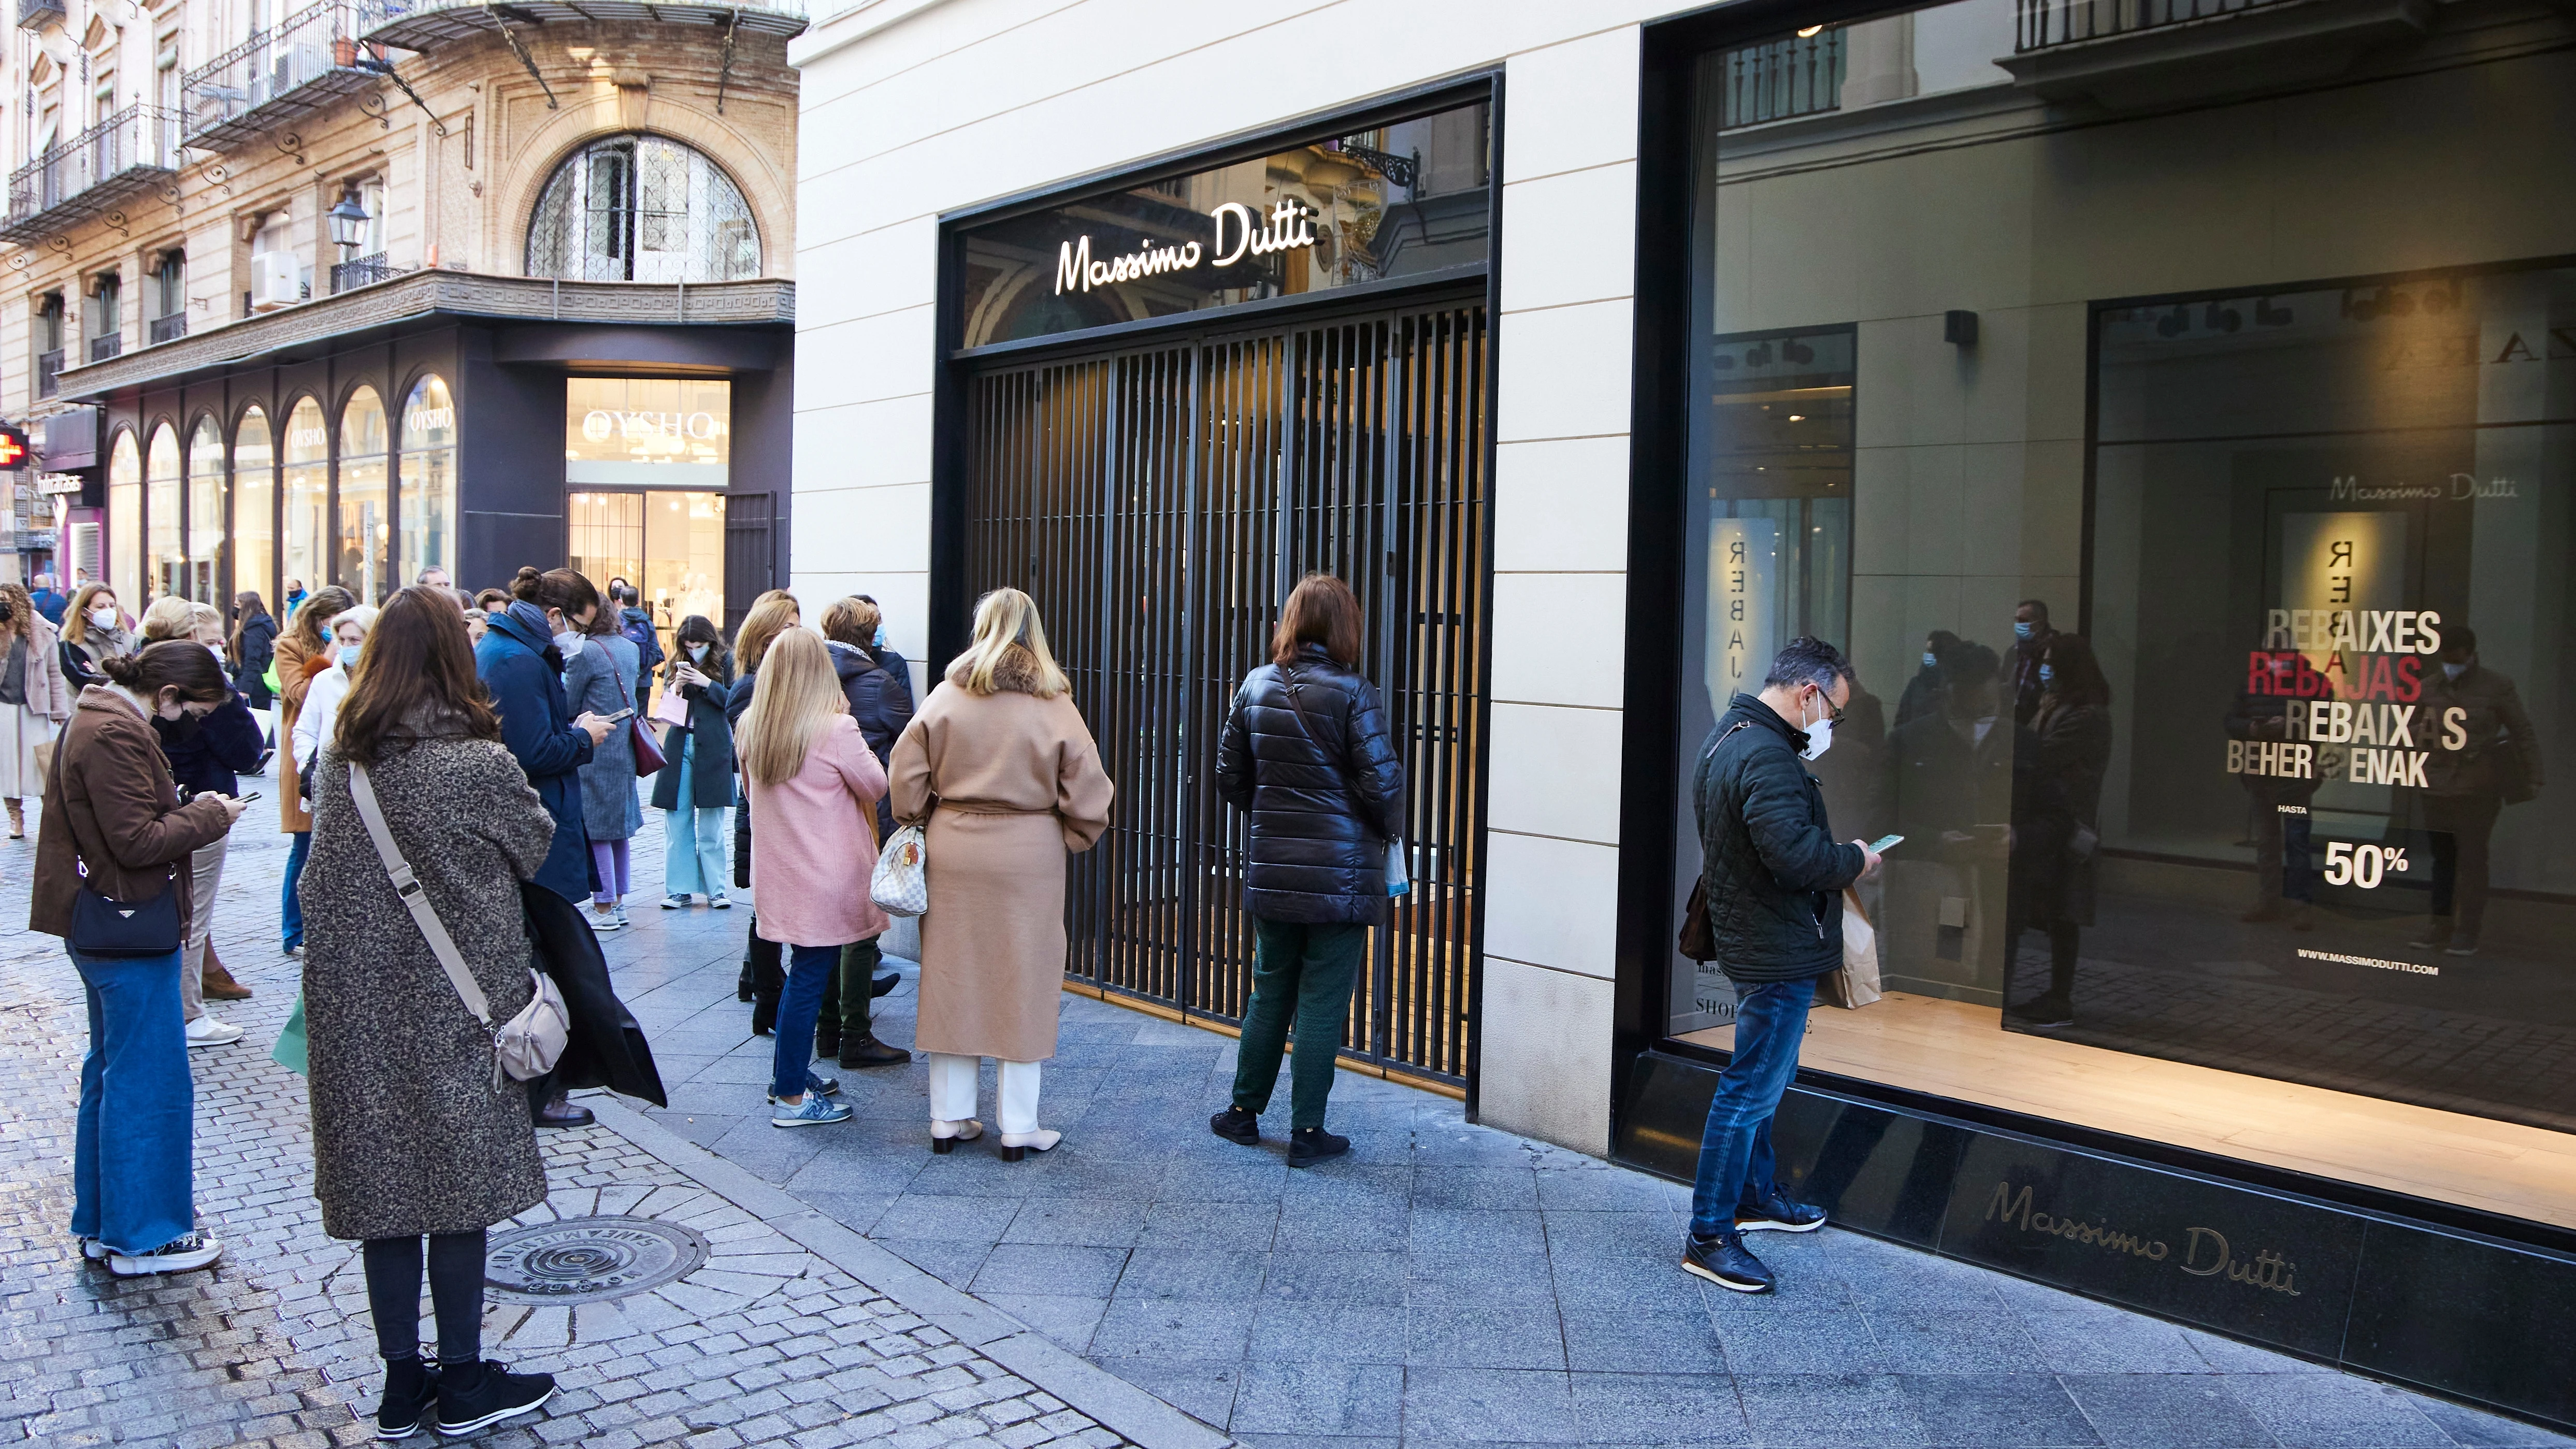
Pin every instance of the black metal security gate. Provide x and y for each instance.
(1159, 503)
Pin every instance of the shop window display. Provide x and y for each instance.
(254, 531)
(304, 481)
(165, 515)
(362, 560)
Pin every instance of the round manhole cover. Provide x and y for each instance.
(583, 1260)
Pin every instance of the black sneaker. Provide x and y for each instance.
(1237, 1126)
(2044, 1011)
(411, 1391)
(879, 986)
(473, 1396)
(1307, 1144)
(1776, 1212)
(1724, 1261)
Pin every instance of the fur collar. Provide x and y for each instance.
(1017, 672)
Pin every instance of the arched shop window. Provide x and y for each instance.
(125, 521)
(360, 548)
(205, 541)
(165, 516)
(428, 479)
(642, 209)
(254, 510)
(306, 480)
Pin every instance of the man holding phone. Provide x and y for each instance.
(1774, 876)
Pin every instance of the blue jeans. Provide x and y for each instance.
(693, 839)
(1735, 1162)
(808, 967)
(293, 910)
(132, 1176)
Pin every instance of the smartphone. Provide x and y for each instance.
(626, 713)
(1885, 843)
(246, 799)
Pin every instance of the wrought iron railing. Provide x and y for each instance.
(103, 348)
(315, 42)
(136, 139)
(374, 13)
(2039, 24)
(363, 271)
(164, 329)
(49, 366)
(1799, 76)
(32, 13)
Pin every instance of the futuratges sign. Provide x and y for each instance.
(1402, 199)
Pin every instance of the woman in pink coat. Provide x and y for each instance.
(814, 788)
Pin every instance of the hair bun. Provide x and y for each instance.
(124, 669)
(523, 585)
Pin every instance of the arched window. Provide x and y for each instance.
(360, 553)
(254, 509)
(427, 480)
(642, 209)
(205, 512)
(125, 520)
(306, 480)
(164, 517)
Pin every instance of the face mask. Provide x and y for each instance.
(2022, 628)
(2047, 674)
(2454, 671)
(881, 636)
(1929, 662)
(569, 643)
(216, 650)
(349, 655)
(698, 652)
(103, 618)
(1820, 738)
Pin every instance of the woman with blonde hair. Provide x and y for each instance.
(92, 635)
(816, 785)
(206, 754)
(302, 654)
(35, 699)
(770, 615)
(999, 768)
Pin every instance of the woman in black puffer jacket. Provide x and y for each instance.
(1305, 754)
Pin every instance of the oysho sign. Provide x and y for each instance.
(1285, 227)
(600, 424)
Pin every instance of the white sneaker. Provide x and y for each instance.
(94, 1250)
(619, 911)
(205, 1031)
(178, 1255)
(603, 922)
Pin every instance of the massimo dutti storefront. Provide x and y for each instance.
(2172, 411)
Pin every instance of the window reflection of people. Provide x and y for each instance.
(2284, 863)
(1952, 771)
(2054, 846)
(2496, 762)
(1922, 694)
(2031, 634)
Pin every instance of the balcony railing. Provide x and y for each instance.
(135, 150)
(34, 13)
(103, 348)
(412, 24)
(2039, 24)
(49, 365)
(362, 272)
(1800, 76)
(165, 329)
(296, 66)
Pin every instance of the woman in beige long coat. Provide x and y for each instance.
(1000, 769)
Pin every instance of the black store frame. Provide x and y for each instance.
(1349, 431)
(2462, 1302)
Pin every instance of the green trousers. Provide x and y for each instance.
(1306, 971)
(847, 994)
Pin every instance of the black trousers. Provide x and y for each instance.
(393, 1268)
(2462, 827)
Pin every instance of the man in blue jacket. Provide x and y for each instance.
(520, 662)
(1774, 876)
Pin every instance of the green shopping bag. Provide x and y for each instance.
(270, 677)
(289, 1051)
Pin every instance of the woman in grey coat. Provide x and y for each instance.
(414, 1131)
(599, 678)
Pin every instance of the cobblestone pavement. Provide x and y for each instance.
(1446, 1283)
(765, 1343)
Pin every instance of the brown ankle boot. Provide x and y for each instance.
(218, 983)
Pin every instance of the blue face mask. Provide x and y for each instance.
(880, 636)
(2047, 674)
(1929, 662)
(349, 655)
(2022, 628)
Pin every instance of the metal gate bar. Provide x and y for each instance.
(1158, 503)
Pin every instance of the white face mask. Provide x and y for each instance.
(2454, 671)
(698, 652)
(1820, 736)
(569, 643)
(103, 617)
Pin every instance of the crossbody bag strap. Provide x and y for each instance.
(415, 897)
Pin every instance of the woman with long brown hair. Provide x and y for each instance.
(1000, 768)
(35, 699)
(415, 1134)
(303, 653)
(1306, 757)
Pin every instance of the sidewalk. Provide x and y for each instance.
(1444, 1283)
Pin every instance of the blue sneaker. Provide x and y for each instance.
(818, 1085)
(813, 1111)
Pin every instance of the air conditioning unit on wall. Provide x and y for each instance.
(273, 281)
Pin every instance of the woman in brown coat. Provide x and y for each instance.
(302, 656)
(1000, 769)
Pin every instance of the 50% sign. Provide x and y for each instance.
(2362, 865)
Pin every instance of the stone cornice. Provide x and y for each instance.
(457, 294)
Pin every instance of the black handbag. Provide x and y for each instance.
(115, 930)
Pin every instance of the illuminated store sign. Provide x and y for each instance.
(1288, 226)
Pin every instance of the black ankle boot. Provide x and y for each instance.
(859, 1052)
(742, 983)
(411, 1391)
(764, 1015)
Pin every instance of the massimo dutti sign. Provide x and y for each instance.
(1288, 225)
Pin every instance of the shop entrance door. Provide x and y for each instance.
(1159, 503)
(668, 542)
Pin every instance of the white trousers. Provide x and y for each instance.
(952, 1091)
(205, 878)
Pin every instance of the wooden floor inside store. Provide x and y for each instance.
(1952, 1049)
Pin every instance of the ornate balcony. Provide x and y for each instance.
(167, 329)
(134, 152)
(36, 14)
(303, 63)
(49, 365)
(418, 24)
(363, 272)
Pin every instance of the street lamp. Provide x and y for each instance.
(348, 222)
